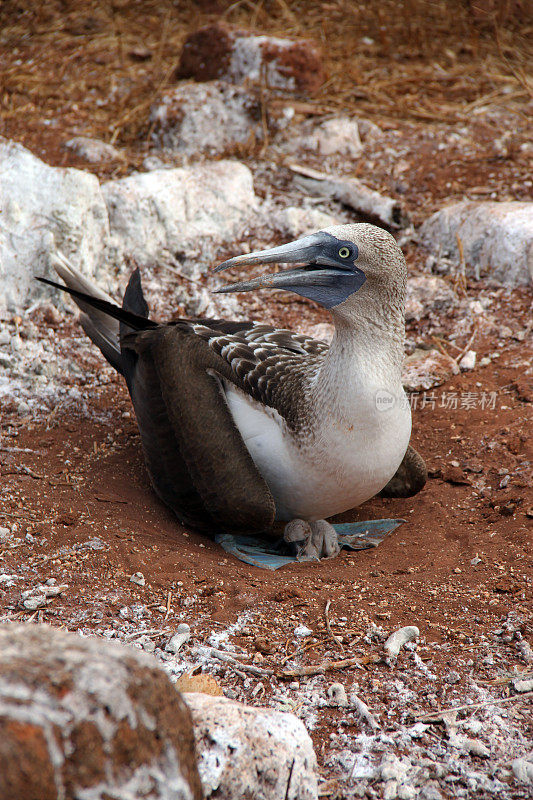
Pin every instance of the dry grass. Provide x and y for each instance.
(98, 66)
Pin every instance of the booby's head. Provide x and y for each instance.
(334, 264)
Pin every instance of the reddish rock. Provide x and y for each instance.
(236, 55)
(81, 716)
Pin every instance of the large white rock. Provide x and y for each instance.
(42, 208)
(497, 238)
(209, 118)
(181, 212)
(248, 752)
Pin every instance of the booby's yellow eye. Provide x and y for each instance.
(344, 252)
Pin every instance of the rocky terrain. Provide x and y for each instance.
(120, 147)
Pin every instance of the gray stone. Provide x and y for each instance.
(248, 752)
(496, 237)
(295, 221)
(182, 635)
(82, 719)
(206, 118)
(43, 208)
(337, 695)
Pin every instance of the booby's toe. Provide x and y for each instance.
(312, 540)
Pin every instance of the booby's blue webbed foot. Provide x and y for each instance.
(306, 541)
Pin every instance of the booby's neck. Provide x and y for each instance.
(367, 350)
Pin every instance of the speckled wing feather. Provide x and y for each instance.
(271, 365)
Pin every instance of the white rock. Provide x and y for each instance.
(303, 631)
(425, 369)
(179, 211)
(34, 601)
(206, 118)
(93, 150)
(390, 790)
(247, 752)
(337, 695)
(138, 578)
(497, 238)
(337, 136)
(178, 640)
(43, 208)
(475, 747)
(396, 640)
(468, 361)
(393, 769)
(523, 685)
(427, 293)
(523, 770)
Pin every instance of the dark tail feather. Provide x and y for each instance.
(132, 320)
(135, 303)
(133, 296)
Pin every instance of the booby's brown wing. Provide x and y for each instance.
(194, 452)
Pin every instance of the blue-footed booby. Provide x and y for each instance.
(244, 425)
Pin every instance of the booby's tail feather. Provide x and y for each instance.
(101, 317)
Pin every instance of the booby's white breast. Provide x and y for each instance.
(337, 466)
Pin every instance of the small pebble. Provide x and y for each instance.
(34, 602)
(138, 578)
(468, 361)
(476, 748)
(176, 641)
(303, 631)
(523, 685)
(452, 677)
(523, 770)
(337, 695)
(396, 640)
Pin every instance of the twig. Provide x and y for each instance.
(466, 348)
(320, 669)
(147, 632)
(228, 659)
(297, 653)
(328, 627)
(436, 716)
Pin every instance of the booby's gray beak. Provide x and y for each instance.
(310, 251)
